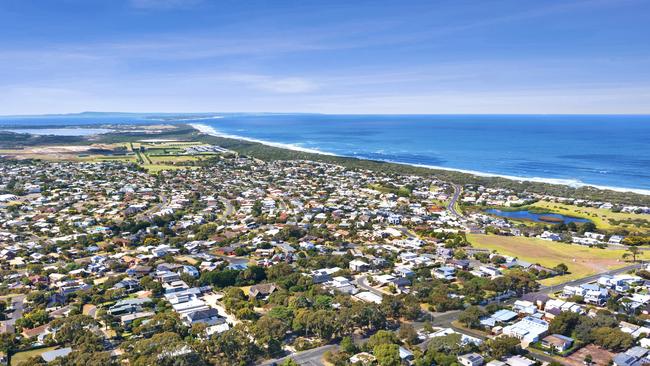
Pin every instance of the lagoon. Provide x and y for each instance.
(549, 218)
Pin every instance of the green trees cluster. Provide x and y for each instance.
(230, 277)
(601, 330)
(474, 289)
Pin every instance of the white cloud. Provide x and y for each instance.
(284, 85)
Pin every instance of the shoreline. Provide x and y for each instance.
(209, 130)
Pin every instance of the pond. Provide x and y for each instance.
(547, 217)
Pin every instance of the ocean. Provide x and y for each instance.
(602, 150)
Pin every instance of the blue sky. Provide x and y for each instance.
(514, 56)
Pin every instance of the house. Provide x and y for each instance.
(595, 295)
(471, 359)
(261, 290)
(444, 273)
(635, 356)
(536, 298)
(190, 270)
(342, 284)
(138, 271)
(38, 332)
(547, 235)
(128, 284)
(363, 358)
(127, 306)
(358, 266)
(637, 352)
(323, 274)
(405, 355)
(167, 276)
(404, 272)
(595, 236)
(368, 296)
(519, 361)
(50, 356)
(528, 329)
(129, 318)
(225, 251)
(495, 363)
(615, 240)
(490, 271)
(524, 307)
(462, 264)
(557, 342)
(501, 316)
(208, 317)
(395, 219)
(623, 359)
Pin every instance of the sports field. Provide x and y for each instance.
(582, 261)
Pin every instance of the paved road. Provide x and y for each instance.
(451, 206)
(230, 209)
(362, 281)
(17, 304)
(555, 288)
(312, 357)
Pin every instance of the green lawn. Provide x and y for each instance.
(600, 217)
(581, 260)
(21, 357)
(155, 168)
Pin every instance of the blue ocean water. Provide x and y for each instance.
(602, 150)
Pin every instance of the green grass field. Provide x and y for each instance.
(171, 158)
(21, 357)
(155, 168)
(582, 261)
(601, 217)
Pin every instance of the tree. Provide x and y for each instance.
(7, 342)
(588, 359)
(279, 271)
(32, 319)
(163, 349)
(561, 268)
(348, 346)
(450, 344)
(584, 330)
(428, 327)
(564, 323)
(634, 251)
(74, 329)
(381, 337)
(232, 347)
(81, 357)
(387, 354)
(636, 240)
(267, 328)
(290, 362)
(408, 334)
(471, 317)
(149, 284)
(613, 339)
(503, 346)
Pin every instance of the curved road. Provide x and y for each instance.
(451, 206)
(229, 208)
